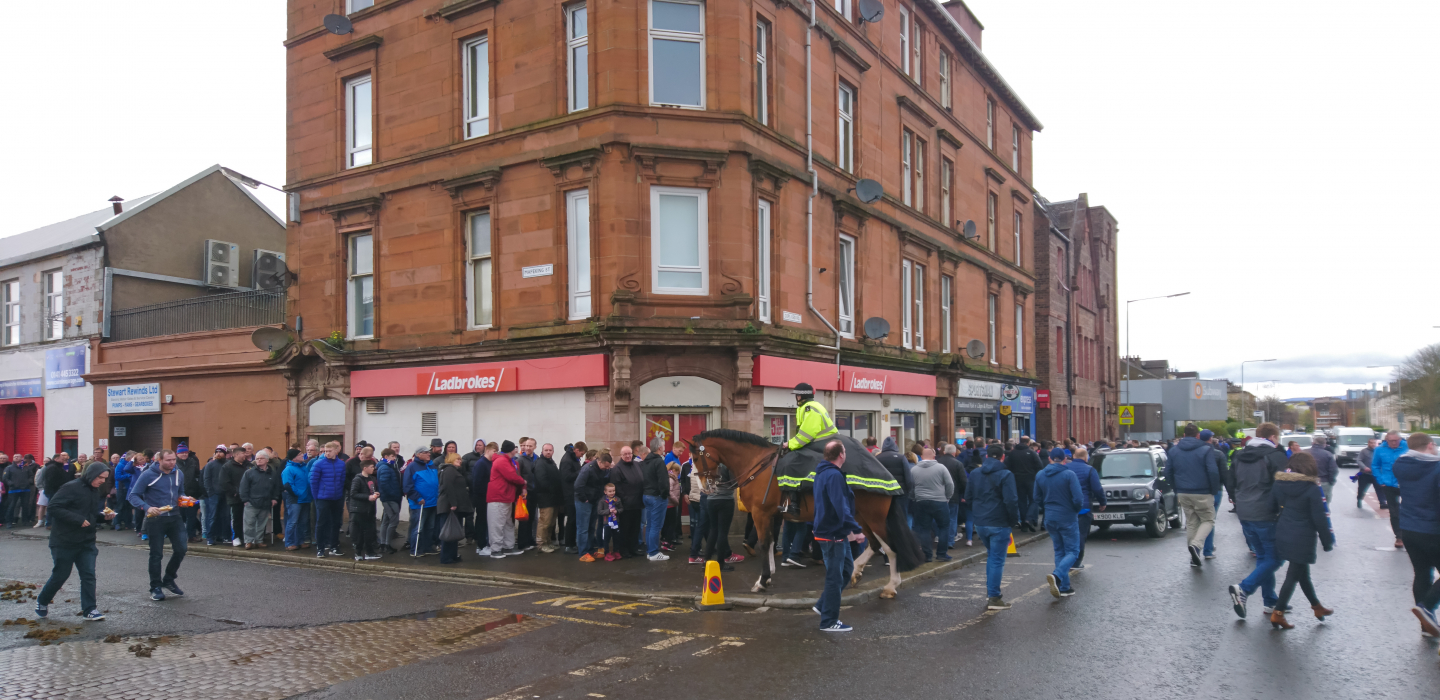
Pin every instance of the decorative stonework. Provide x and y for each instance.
(620, 376)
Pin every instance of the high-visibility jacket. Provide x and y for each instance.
(812, 422)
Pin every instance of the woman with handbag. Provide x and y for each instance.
(453, 505)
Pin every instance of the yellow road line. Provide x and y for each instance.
(577, 619)
(485, 600)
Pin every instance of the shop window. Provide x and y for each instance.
(361, 286)
(856, 424)
(779, 425)
(677, 53)
(667, 426)
(905, 428)
(679, 240)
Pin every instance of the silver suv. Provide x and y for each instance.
(1135, 490)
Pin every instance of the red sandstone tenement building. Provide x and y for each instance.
(587, 220)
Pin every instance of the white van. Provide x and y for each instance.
(1349, 442)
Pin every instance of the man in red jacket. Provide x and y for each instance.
(506, 485)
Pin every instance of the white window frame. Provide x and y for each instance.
(846, 288)
(1019, 336)
(671, 35)
(578, 94)
(990, 123)
(355, 153)
(905, 308)
(919, 174)
(762, 71)
(577, 246)
(946, 289)
(763, 228)
(907, 197)
(702, 231)
(945, 98)
(917, 50)
(845, 107)
(1015, 148)
(992, 202)
(917, 282)
(352, 276)
(947, 211)
(10, 298)
(353, 6)
(476, 298)
(904, 39)
(477, 97)
(1019, 226)
(52, 285)
(843, 7)
(991, 302)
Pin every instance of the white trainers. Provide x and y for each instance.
(483, 551)
(235, 543)
(659, 556)
(792, 562)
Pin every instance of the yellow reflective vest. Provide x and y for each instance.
(812, 422)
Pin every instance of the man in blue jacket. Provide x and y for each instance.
(1382, 467)
(1057, 494)
(156, 492)
(1193, 470)
(1418, 473)
(422, 487)
(389, 484)
(327, 489)
(995, 508)
(834, 528)
(1090, 493)
(295, 481)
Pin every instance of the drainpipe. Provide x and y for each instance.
(814, 192)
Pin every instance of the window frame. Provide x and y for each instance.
(702, 232)
(842, 7)
(992, 303)
(53, 328)
(946, 100)
(575, 101)
(352, 277)
(845, 131)
(480, 116)
(762, 71)
(1019, 227)
(990, 123)
(764, 226)
(905, 308)
(907, 194)
(471, 260)
(947, 289)
(1015, 147)
(672, 35)
(1019, 335)
(904, 39)
(992, 203)
(845, 290)
(917, 49)
(919, 186)
(10, 313)
(917, 284)
(352, 148)
(577, 230)
(351, 9)
(947, 204)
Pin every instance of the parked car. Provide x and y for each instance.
(1136, 491)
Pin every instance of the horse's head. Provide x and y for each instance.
(706, 460)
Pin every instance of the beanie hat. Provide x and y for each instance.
(291, 454)
(507, 447)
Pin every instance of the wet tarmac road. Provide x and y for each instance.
(1143, 625)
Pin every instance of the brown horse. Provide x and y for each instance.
(751, 461)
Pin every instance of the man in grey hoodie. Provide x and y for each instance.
(1325, 465)
(931, 507)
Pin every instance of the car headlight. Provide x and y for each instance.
(1140, 494)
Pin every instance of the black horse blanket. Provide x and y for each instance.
(796, 470)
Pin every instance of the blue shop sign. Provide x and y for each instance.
(20, 389)
(64, 367)
(1020, 399)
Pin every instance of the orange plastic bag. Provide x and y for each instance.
(521, 512)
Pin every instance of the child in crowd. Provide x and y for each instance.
(608, 524)
(670, 532)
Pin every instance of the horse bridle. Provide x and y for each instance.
(766, 462)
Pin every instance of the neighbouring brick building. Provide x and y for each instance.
(1076, 323)
(588, 220)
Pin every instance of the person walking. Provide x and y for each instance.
(835, 528)
(19, 492)
(506, 486)
(259, 491)
(1326, 466)
(655, 479)
(589, 489)
(956, 512)
(452, 499)
(363, 493)
(1381, 466)
(156, 492)
(1251, 479)
(421, 482)
(1365, 478)
(76, 513)
(931, 507)
(1025, 464)
(1298, 495)
(1058, 496)
(995, 507)
(1193, 470)
(295, 489)
(389, 485)
(327, 490)
(1223, 460)
(1091, 494)
(1418, 474)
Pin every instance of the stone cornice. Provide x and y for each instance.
(459, 8)
(907, 103)
(364, 43)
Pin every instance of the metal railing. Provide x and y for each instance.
(208, 313)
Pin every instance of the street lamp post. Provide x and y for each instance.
(1128, 365)
(1399, 388)
(1242, 389)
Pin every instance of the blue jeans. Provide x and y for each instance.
(654, 521)
(125, 513)
(793, 538)
(930, 523)
(80, 557)
(1066, 538)
(584, 514)
(997, 540)
(297, 521)
(1210, 539)
(1260, 535)
(839, 566)
(170, 525)
(952, 523)
(698, 525)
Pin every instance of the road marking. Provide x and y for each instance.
(622, 608)
(707, 651)
(515, 694)
(580, 620)
(669, 642)
(469, 603)
(760, 609)
(968, 623)
(600, 667)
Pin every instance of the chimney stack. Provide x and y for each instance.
(115, 204)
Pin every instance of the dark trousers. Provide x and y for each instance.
(721, 512)
(328, 513)
(570, 526)
(929, 524)
(1392, 499)
(362, 534)
(1424, 551)
(698, 530)
(1297, 573)
(670, 531)
(19, 508)
(81, 557)
(192, 521)
(1026, 494)
(125, 514)
(1085, 520)
(839, 567)
(220, 521)
(525, 529)
(1363, 482)
(160, 527)
(628, 539)
(237, 521)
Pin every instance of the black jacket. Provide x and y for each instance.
(547, 491)
(454, 491)
(53, 476)
(569, 471)
(479, 472)
(259, 487)
(359, 493)
(230, 476)
(18, 478)
(590, 483)
(895, 463)
(194, 488)
(1302, 517)
(957, 475)
(1025, 465)
(1251, 479)
(211, 475)
(74, 503)
(629, 483)
(655, 475)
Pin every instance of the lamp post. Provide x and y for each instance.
(1399, 388)
(1242, 389)
(1128, 364)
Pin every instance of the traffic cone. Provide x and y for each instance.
(713, 597)
(1011, 551)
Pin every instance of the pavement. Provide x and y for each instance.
(673, 582)
(1144, 624)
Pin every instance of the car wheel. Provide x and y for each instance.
(1157, 526)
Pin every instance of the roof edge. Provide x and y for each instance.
(217, 168)
(90, 240)
(979, 57)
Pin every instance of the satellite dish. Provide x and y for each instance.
(871, 10)
(270, 339)
(975, 349)
(876, 328)
(970, 230)
(338, 24)
(869, 191)
(271, 272)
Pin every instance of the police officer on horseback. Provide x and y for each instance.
(812, 423)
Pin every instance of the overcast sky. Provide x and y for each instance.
(1269, 157)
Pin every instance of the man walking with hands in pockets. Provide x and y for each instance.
(835, 528)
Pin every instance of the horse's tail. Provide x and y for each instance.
(902, 539)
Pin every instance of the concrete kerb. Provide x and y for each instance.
(800, 600)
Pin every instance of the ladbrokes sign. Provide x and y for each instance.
(864, 382)
(466, 381)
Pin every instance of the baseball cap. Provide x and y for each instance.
(1206, 435)
(1057, 454)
